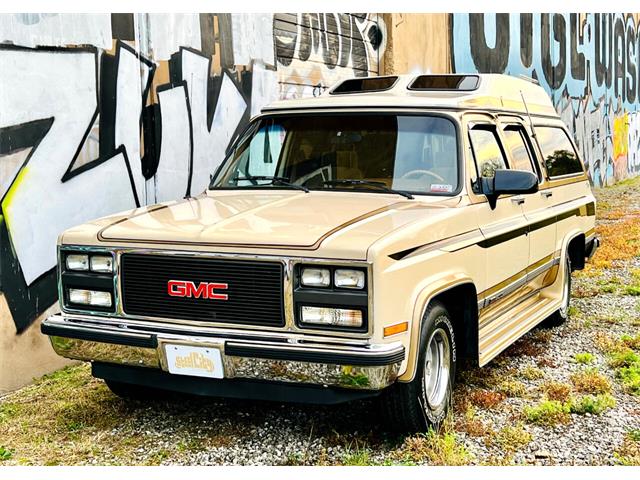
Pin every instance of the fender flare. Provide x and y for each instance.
(434, 288)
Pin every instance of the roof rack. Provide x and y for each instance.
(367, 84)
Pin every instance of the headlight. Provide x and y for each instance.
(89, 297)
(344, 278)
(102, 264)
(316, 277)
(78, 262)
(339, 317)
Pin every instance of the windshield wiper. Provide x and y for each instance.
(274, 181)
(369, 183)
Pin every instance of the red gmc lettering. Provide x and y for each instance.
(182, 288)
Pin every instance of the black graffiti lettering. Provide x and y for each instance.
(526, 39)
(553, 74)
(603, 46)
(485, 58)
(619, 58)
(577, 58)
(331, 40)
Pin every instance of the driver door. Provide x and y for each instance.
(504, 227)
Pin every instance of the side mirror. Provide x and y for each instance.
(506, 182)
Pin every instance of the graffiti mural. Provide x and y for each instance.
(588, 63)
(102, 113)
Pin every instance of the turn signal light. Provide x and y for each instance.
(397, 328)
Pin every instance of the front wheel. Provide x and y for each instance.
(424, 402)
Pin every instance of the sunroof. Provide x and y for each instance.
(445, 82)
(368, 84)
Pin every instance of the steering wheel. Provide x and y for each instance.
(415, 173)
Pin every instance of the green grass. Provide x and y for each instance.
(584, 358)
(5, 453)
(434, 448)
(632, 290)
(548, 412)
(630, 378)
(593, 404)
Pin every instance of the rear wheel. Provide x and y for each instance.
(424, 402)
(561, 315)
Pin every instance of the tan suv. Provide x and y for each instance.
(353, 245)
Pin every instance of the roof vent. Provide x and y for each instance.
(362, 85)
(445, 82)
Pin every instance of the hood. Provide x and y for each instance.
(252, 219)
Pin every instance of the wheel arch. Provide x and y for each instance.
(574, 244)
(464, 318)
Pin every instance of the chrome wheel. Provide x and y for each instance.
(436, 368)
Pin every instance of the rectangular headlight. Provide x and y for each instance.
(337, 317)
(78, 262)
(344, 278)
(101, 264)
(316, 277)
(89, 297)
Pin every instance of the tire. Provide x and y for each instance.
(424, 402)
(561, 315)
(130, 391)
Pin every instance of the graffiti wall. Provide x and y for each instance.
(589, 63)
(101, 113)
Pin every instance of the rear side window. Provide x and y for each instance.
(518, 147)
(487, 151)
(560, 158)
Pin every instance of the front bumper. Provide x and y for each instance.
(259, 356)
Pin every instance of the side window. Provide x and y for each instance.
(487, 151)
(560, 158)
(518, 146)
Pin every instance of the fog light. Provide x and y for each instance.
(102, 264)
(337, 317)
(78, 262)
(316, 277)
(89, 297)
(349, 278)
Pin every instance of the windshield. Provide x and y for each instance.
(416, 154)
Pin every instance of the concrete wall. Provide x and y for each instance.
(100, 113)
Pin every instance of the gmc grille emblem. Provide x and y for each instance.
(182, 288)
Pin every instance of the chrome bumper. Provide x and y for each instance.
(264, 356)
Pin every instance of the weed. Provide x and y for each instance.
(630, 378)
(594, 405)
(359, 457)
(584, 358)
(512, 388)
(632, 290)
(634, 434)
(548, 412)
(472, 425)
(532, 373)
(485, 398)
(557, 391)
(573, 311)
(631, 342)
(5, 453)
(624, 358)
(511, 438)
(435, 448)
(590, 381)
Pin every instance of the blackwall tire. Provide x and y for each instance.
(424, 402)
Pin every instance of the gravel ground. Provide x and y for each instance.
(70, 418)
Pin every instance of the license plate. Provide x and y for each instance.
(194, 361)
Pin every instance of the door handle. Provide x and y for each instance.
(546, 194)
(518, 200)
